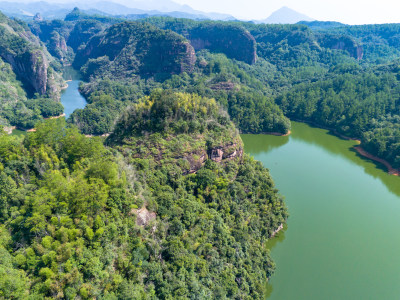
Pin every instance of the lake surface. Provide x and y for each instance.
(343, 235)
(71, 99)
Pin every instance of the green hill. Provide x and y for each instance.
(170, 209)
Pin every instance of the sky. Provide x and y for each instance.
(346, 11)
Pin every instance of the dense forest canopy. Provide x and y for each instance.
(130, 221)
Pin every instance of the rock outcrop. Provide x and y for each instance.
(219, 154)
(135, 48)
(31, 67)
(234, 41)
(273, 38)
(21, 49)
(184, 130)
(54, 34)
(82, 32)
(226, 152)
(143, 216)
(38, 17)
(342, 42)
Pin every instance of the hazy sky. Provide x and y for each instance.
(346, 11)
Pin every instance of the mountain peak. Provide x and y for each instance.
(286, 15)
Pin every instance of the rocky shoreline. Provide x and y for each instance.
(391, 170)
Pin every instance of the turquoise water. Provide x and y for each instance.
(71, 99)
(342, 240)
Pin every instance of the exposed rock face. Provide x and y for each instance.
(226, 152)
(189, 59)
(225, 86)
(218, 154)
(21, 49)
(345, 43)
(196, 161)
(293, 35)
(31, 67)
(38, 17)
(143, 216)
(273, 36)
(9, 129)
(276, 231)
(58, 46)
(234, 41)
(134, 48)
(55, 35)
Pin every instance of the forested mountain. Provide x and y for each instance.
(249, 77)
(132, 9)
(128, 49)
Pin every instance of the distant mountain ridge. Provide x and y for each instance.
(322, 24)
(286, 15)
(26, 11)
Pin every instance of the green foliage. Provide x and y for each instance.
(171, 208)
(231, 84)
(70, 204)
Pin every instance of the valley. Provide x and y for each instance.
(178, 170)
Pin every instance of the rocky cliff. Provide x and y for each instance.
(54, 34)
(342, 42)
(31, 67)
(63, 38)
(131, 48)
(234, 41)
(21, 49)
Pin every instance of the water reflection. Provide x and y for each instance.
(69, 73)
(255, 145)
(279, 238)
(345, 148)
(323, 138)
(342, 240)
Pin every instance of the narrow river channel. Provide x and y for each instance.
(71, 99)
(342, 239)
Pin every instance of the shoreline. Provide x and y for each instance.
(359, 149)
(278, 133)
(390, 169)
(64, 87)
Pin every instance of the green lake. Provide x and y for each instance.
(343, 235)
